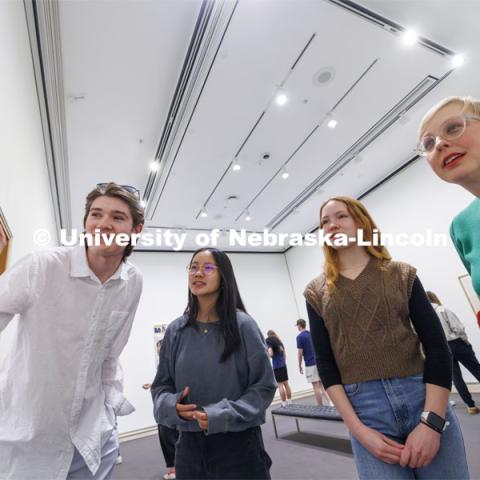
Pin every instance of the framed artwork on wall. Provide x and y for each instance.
(159, 330)
(472, 297)
(5, 237)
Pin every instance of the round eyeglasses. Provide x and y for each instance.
(449, 130)
(207, 268)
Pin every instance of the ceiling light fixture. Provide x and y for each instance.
(143, 203)
(285, 173)
(410, 37)
(248, 217)
(235, 165)
(332, 123)
(154, 166)
(458, 61)
(203, 213)
(281, 98)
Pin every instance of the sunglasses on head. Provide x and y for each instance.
(129, 188)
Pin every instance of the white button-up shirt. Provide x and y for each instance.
(60, 386)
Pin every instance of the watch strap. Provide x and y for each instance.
(434, 421)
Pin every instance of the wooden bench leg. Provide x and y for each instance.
(298, 426)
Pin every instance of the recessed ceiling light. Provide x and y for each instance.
(236, 166)
(154, 166)
(281, 98)
(285, 173)
(410, 37)
(458, 61)
(248, 217)
(203, 213)
(332, 123)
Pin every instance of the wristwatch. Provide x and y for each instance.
(434, 421)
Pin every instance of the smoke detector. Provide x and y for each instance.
(324, 76)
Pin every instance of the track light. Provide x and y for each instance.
(281, 98)
(248, 217)
(203, 213)
(285, 173)
(410, 37)
(458, 61)
(143, 203)
(154, 166)
(332, 123)
(236, 166)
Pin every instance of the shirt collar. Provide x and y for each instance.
(79, 266)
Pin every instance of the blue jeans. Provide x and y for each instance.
(393, 407)
(79, 470)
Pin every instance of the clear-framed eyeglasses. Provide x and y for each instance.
(449, 130)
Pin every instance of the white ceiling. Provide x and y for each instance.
(122, 61)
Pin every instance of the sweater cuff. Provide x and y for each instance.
(170, 416)
(217, 418)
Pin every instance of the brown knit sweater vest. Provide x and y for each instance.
(368, 322)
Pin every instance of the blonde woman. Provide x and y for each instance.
(393, 399)
(449, 138)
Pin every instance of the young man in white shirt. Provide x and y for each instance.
(60, 387)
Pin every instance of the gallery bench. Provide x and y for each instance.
(311, 412)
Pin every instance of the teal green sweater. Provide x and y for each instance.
(465, 233)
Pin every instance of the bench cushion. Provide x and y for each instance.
(308, 411)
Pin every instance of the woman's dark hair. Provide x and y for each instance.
(228, 302)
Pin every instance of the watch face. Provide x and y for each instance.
(435, 420)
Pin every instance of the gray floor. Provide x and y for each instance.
(321, 451)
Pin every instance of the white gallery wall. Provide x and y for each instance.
(25, 192)
(271, 284)
(412, 202)
(266, 290)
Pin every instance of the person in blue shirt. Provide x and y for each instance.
(306, 352)
(277, 353)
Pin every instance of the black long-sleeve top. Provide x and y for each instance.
(438, 366)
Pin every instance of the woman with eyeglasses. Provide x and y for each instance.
(214, 381)
(382, 355)
(449, 138)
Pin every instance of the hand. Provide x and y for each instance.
(301, 369)
(421, 447)
(187, 411)
(379, 445)
(146, 386)
(201, 418)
